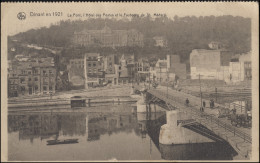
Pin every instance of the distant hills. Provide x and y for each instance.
(183, 34)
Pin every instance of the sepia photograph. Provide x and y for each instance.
(130, 81)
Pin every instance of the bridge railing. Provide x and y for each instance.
(211, 118)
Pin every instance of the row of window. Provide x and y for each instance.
(36, 88)
(77, 62)
(35, 72)
(22, 80)
(247, 64)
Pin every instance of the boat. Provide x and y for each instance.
(66, 141)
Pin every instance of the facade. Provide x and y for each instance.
(109, 63)
(126, 69)
(93, 70)
(169, 69)
(142, 68)
(108, 38)
(76, 72)
(31, 78)
(160, 41)
(217, 64)
(176, 67)
(240, 69)
(215, 45)
(111, 69)
(210, 64)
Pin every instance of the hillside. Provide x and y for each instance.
(183, 34)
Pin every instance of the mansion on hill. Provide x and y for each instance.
(108, 38)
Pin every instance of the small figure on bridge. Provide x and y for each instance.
(204, 104)
(211, 103)
(187, 101)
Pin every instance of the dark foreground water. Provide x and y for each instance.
(119, 133)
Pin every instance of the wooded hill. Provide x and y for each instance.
(183, 34)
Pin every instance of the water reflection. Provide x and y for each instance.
(101, 136)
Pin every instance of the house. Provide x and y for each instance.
(31, 78)
(176, 67)
(240, 68)
(168, 69)
(93, 70)
(142, 68)
(126, 69)
(160, 41)
(111, 69)
(215, 45)
(76, 72)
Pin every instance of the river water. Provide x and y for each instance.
(117, 132)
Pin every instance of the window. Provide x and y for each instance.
(89, 65)
(36, 88)
(45, 80)
(94, 64)
(29, 79)
(29, 72)
(50, 71)
(35, 79)
(50, 88)
(22, 80)
(22, 88)
(44, 88)
(23, 72)
(44, 72)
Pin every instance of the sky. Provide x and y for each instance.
(14, 25)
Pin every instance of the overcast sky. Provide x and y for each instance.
(14, 25)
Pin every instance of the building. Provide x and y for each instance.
(168, 70)
(160, 41)
(240, 68)
(111, 69)
(142, 68)
(210, 64)
(93, 70)
(176, 67)
(109, 63)
(76, 72)
(215, 45)
(108, 38)
(34, 77)
(126, 69)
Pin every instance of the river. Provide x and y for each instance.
(117, 133)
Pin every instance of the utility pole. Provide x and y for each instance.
(167, 82)
(216, 90)
(200, 93)
(149, 79)
(160, 75)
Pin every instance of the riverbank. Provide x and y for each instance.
(117, 94)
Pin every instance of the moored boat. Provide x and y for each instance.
(66, 141)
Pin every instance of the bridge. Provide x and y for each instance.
(239, 139)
